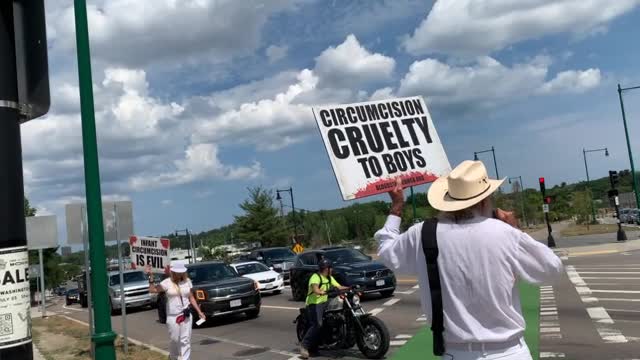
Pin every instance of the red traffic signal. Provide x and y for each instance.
(547, 200)
(541, 180)
(542, 187)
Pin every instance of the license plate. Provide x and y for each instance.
(380, 283)
(235, 303)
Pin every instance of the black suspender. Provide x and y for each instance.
(430, 249)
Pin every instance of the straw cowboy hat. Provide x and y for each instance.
(465, 186)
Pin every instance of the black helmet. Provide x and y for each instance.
(324, 264)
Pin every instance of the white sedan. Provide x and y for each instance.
(268, 280)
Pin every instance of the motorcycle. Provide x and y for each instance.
(345, 324)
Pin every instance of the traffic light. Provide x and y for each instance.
(547, 200)
(614, 179)
(542, 187)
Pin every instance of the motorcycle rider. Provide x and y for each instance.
(319, 285)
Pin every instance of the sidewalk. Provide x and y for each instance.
(608, 248)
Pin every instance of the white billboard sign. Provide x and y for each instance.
(371, 144)
(42, 232)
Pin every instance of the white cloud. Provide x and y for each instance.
(478, 27)
(199, 163)
(572, 81)
(487, 82)
(276, 53)
(139, 32)
(350, 64)
(166, 202)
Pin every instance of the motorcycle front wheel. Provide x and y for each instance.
(301, 327)
(373, 342)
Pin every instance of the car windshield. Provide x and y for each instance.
(345, 256)
(128, 278)
(72, 291)
(210, 273)
(251, 268)
(278, 254)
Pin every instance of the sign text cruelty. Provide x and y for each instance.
(371, 144)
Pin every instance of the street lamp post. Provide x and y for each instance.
(586, 168)
(524, 214)
(626, 133)
(293, 209)
(495, 163)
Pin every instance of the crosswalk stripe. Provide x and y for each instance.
(397, 342)
(547, 355)
(391, 302)
(402, 336)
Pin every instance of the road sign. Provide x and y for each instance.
(123, 219)
(545, 208)
(42, 232)
(297, 248)
(31, 58)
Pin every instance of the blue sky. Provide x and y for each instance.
(198, 101)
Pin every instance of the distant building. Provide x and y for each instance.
(65, 250)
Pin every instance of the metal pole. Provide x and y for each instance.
(104, 336)
(522, 198)
(626, 133)
(123, 304)
(586, 168)
(550, 240)
(13, 237)
(413, 204)
(43, 294)
(621, 235)
(87, 277)
(495, 163)
(295, 221)
(193, 254)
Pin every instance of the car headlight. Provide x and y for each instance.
(356, 300)
(280, 277)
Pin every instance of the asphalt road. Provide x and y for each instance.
(594, 312)
(270, 336)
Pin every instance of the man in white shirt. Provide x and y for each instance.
(482, 256)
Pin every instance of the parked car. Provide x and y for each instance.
(279, 258)
(624, 215)
(633, 216)
(220, 291)
(60, 291)
(268, 280)
(72, 296)
(136, 290)
(350, 267)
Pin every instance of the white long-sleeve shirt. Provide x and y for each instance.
(480, 261)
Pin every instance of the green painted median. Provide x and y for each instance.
(421, 347)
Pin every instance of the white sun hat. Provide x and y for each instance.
(465, 186)
(178, 268)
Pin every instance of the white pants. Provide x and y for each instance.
(179, 338)
(518, 352)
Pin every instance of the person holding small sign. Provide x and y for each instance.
(468, 262)
(179, 302)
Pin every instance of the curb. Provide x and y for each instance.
(600, 249)
(131, 340)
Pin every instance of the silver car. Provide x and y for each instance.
(136, 290)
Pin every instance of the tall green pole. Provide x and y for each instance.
(103, 336)
(626, 133)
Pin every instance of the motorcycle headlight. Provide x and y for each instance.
(356, 300)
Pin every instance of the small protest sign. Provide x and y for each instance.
(149, 251)
(371, 144)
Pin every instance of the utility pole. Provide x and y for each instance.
(586, 169)
(13, 232)
(545, 208)
(103, 337)
(626, 133)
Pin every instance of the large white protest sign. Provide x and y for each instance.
(149, 251)
(371, 144)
